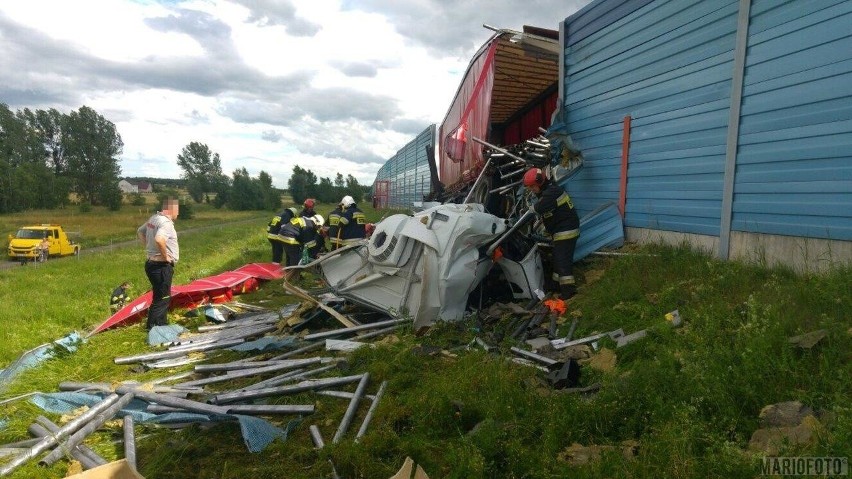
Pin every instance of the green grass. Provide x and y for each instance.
(689, 396)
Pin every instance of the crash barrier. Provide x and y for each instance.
(602, 228)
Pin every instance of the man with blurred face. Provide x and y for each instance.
(162, 252)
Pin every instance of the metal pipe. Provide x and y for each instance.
(379, 332)
(49, 441)
(254, 319)
(478, 179)
(244, 373)
(129, 441)
(88, 452)
(521, 221)
(303, 349)
(571, 329)
(283, 390)
(363, 429)
(287, 378)
(108, 388)
(316, 437)
(343, 394)
(343, 331)
(249, 409)
(501, 189)
(174, 401)
(501, 150)
(173, 354)
(87, 457)
(81, 434)
(352, 409)
(535, 357)
(204, 368)
(513, 173)
(21, 444)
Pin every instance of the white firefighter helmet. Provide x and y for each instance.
(318, 220)
(347, 201)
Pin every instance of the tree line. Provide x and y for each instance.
(46, 155)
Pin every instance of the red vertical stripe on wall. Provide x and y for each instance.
(625, 153)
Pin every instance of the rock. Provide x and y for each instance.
(808, 340)
(581, 351)
(769, 441)
(540, 344)
(784, 414)
(576, 454)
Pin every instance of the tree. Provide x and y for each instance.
(302, 184)
(353, 189)
(326, 192)
(92, 146)
(201, 167)
(271, 196)
(339, 182)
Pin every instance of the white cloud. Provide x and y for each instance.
(331, 85)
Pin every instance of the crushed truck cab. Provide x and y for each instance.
(24, 245)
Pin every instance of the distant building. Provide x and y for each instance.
(127, 187)
(144, 187)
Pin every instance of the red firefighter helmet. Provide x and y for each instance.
(309, 203)
(533, 176)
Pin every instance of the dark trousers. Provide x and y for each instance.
(563, 266)
(160, 275)
(293, 252)
(277, 250)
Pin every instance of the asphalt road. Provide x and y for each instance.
(9, 264)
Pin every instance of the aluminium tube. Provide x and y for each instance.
(535, 357)
(343, 395)
(87, 462)
(165, 400)
(248, 409)
(380, 332)
(129, 441)
(303, 349)
(513, 173)
(349, 415)
(290, 377)
(283, 390)
(478, 179)
(256, 319)
(505, 188)
(62, 433)
(52, 427)
(521, 222)
(203, 368)
(173, 353)
(355, 329)
(81, 434)
(244, 373)
(363, 429)
(316, 437)
(501, 150)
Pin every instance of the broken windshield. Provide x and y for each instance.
(30, 234)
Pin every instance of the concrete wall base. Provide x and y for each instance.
(804, 255)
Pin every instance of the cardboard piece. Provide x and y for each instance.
(407, 468)
(114, 470)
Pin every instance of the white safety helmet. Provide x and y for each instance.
(318, 220)
(347, 201)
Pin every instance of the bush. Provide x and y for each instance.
(136, 199)
(186, 210)
(85, 207)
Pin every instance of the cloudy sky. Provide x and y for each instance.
(330, 85)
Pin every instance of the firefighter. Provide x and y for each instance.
(272, 229)
(119, 296)
(308, 208)
(561, 222)
(300, 233)
(352, 222)
(334, 229)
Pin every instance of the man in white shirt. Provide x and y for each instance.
(161, 248)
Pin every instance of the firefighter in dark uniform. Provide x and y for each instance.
(272, 232)
(119, 296)
(353, 223)
(334, 230)
(300, 233)
(308, 208)
(561, 222)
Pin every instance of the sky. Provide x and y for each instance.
(329, 85)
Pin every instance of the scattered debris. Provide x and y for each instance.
(789, 413)
(576, 454)
(407, 469)
(808, 340)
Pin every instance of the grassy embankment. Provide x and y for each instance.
(688, 396)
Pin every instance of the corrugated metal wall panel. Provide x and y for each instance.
(667, 65)
(794, 164)
(407, 172)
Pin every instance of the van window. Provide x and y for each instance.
(56, 233)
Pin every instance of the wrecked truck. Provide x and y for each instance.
(426, 266)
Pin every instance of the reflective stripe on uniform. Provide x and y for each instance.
(288, 240)
(343, 220)
(310, 244)
(564, 199)
(360, 218)
(566, 280)
(566, 235)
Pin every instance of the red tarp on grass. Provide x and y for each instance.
(212, 289)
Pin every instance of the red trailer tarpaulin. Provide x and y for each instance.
(220, 288)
